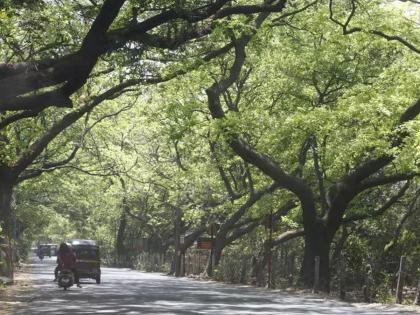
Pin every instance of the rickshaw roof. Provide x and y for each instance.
(84, 242)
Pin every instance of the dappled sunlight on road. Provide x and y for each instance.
(129, 292)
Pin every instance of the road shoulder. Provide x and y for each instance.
(16, 293)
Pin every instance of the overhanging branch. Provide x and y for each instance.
(73, 70)
(378, 212)
(287, 236)
(347, 30)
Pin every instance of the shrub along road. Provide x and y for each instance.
(125, 291)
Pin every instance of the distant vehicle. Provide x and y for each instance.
(53, 249)
(88, 262)
(43, 250)
(46, 250)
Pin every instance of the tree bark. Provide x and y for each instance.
(120, 248)
(318, 239)
(218, 246)
(259, 265)
(6, 192)
(177, 235)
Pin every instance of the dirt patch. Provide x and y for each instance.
(16, 293)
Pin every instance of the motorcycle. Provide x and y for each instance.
(65, 279)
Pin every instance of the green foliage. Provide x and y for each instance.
(148, 152)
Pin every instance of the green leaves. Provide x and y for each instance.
(303, 79)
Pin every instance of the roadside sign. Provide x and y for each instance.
(204, 243)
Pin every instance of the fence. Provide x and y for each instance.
(195, 262)
(152, 262)
(400, 283)
(383, 281)
(380, 281)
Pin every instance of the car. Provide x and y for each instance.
(88, 262)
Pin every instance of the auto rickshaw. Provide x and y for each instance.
(88, 263)
(53, 249)
(43, 250)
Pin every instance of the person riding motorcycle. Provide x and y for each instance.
(66, 259)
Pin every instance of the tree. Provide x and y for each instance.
(47, 73)
(259, 105)
(367, 171)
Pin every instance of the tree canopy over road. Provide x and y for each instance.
(289, 126)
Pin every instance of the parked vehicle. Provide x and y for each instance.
(88, 263)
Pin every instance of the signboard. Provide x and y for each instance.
(204, 243)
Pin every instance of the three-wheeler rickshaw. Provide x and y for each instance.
(88, 263)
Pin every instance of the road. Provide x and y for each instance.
(125, 291)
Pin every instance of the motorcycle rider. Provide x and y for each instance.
(57, 268)
(66, 259)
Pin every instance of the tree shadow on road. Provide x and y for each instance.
(132, 292)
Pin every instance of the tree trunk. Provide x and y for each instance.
(6, 259)
(259, 266)
(218, 246)
(120, 248)
(178, 246)
(318, 239)
(217, 255)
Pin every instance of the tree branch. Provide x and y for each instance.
(15, 117)
(347, 31)
(252, 224)
(38, 146)
(241, 148)
(320, 177)
(47, 167)
(224, 229)
(378, 212)
(384, 180)
(233, 195)
(74, 69)
(410, 211)
(283, 16)
(287, 236)
(370, 167)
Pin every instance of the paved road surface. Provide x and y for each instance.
(129, 292)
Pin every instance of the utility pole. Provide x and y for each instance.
(211, 227)
(177, 233)
(270, 251)
(400, 284)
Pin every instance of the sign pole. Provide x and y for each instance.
(270, 253)
(400, 283)
(182, 243)
(211, 250)
(316, 275)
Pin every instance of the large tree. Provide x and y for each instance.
(327, 84)
(43, 72)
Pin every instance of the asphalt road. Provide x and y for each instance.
(124, 291)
